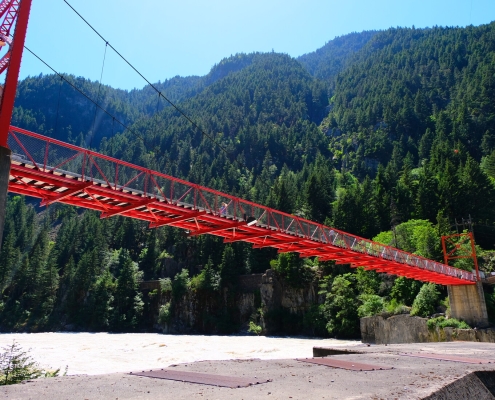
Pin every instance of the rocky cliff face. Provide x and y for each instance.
(267, 300)
(198, 311)
(281, 302)
(276, 293)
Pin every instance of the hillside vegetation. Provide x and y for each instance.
(378, 133)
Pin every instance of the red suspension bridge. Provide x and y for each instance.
(55, 171)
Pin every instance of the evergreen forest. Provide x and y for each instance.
(389, 135)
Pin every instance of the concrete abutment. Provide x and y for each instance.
(467, 303)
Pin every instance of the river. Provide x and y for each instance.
(101, 353)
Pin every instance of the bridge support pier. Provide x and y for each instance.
(467, 302)
(4, 183)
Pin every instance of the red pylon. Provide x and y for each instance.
(453, 249)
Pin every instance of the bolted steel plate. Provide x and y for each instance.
(199, 377)
(344, 364)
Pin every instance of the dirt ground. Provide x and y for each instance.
(410, 378)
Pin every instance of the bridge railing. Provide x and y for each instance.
(55, 157)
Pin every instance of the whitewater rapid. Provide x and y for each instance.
(101, 353)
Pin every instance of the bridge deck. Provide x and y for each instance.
(55, 171)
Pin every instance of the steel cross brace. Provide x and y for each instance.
(218, 228)
(66, 193)
(275, 244)
(170, 221)
(127, 208)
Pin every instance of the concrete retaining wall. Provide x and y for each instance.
(407, 329)
(476, 385)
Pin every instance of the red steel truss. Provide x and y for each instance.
(455, 247)
(13, 13)
(9, 9)
(55, 171)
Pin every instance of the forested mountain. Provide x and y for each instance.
(67, 114)
(326, 62)
(50, 105)
(373, 132)
(420, 103)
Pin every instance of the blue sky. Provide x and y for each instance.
(164, 38)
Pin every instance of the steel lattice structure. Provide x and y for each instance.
(55, 171)
(8, 11)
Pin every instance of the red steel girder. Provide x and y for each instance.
(12, 60)
(125, 209)
(171, 221)
(307, 248)
(76, 189)
(244, 237)
(323, 250)
(218, 228)
(271, 243)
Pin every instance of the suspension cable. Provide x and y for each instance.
(160, 94)
(98, 96)
(126, 127)
(58, 107)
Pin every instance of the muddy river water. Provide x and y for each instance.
(100, 353)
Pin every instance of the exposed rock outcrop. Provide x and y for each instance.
(231, 309)
(279, 300)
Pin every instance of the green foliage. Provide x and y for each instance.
(180, 284)
(165, 285)
(405, 290)
(229, 268)
(253, 328)
(164, 314)
(16, 365)
(368, 282)
(329, 60)
(340, 307)
(442, 322)
(207, 279)
(293, 269)
(414, 236)
(425, 302)
(128, 299)
(372, 305)
(394, 307)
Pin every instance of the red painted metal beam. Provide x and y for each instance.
(218, 229)
(249, 237)
(276, 244)
(125, 209)
(22, 9)
(171, 221)
(66, 193)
